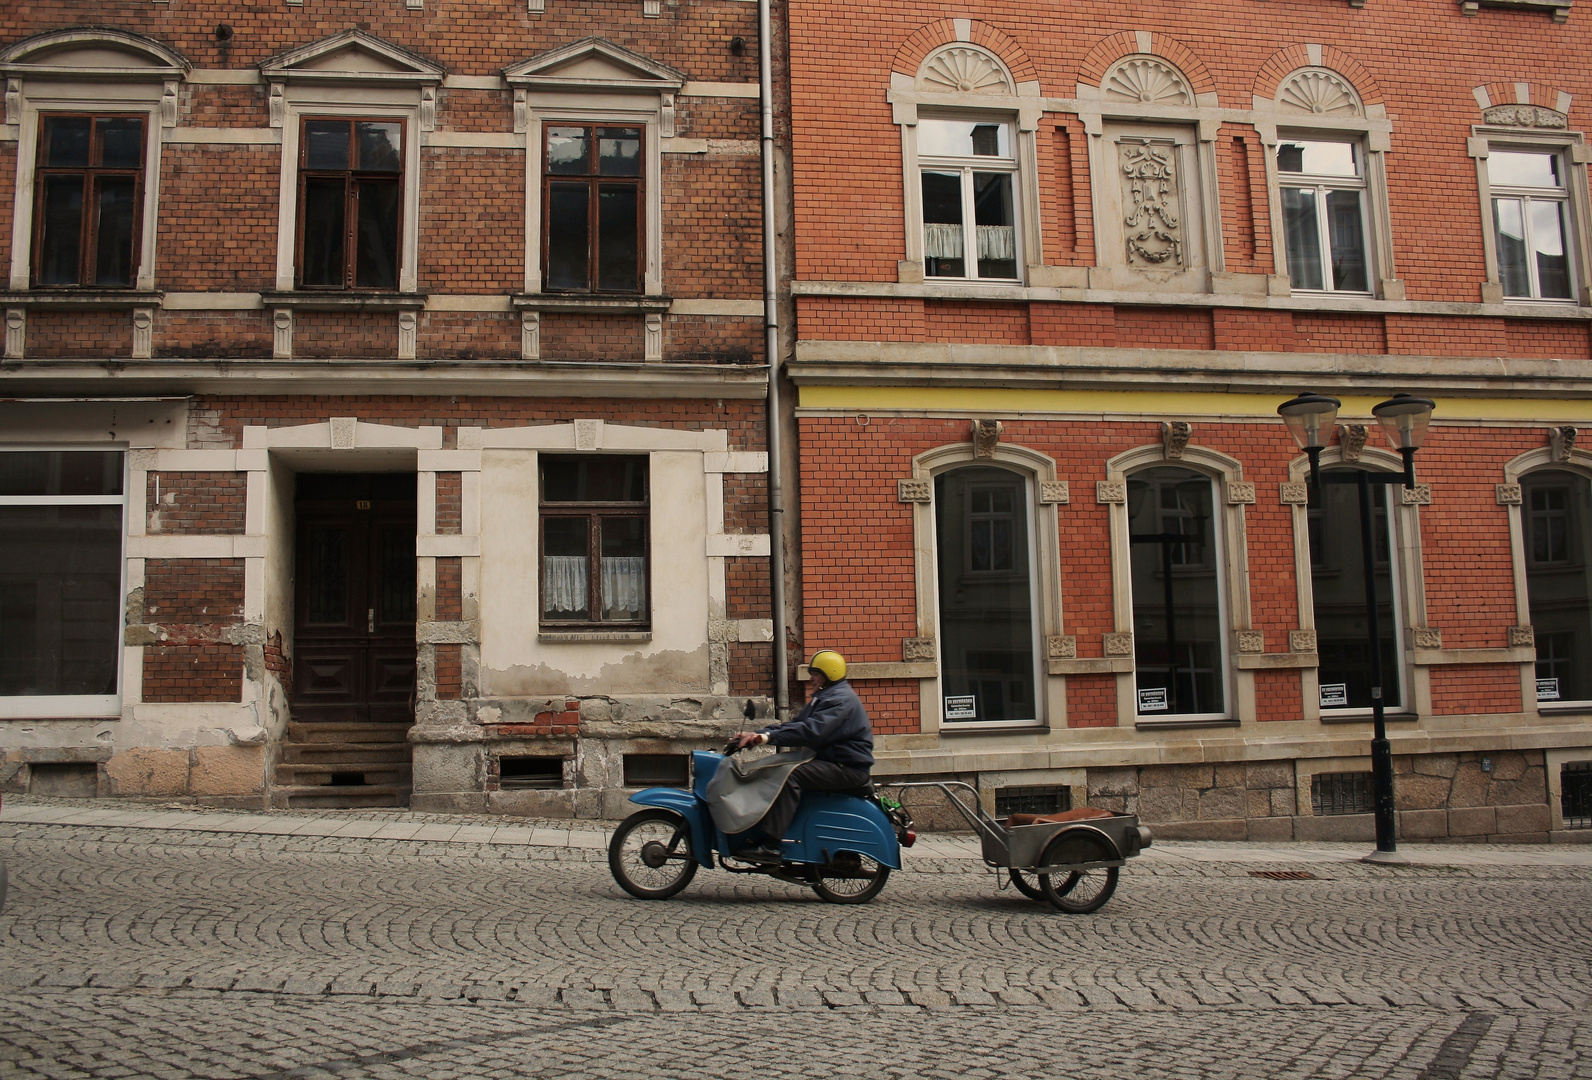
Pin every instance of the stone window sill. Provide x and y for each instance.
(595, 636)
(996, 727)
(1558, 9)
(593, 304)
(344, 301)
(1363, 716)
(1152, 725)
(81, 298)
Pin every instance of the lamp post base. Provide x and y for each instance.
(1387, 858)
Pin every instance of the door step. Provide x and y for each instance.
(339, 796)
(343, 774)
(299, 731)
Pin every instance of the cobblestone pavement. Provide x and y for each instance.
(172, 953)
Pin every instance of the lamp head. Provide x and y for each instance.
(1404, 419)
(1309, 418)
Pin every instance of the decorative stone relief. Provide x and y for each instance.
(1428, 637)
(278, 104)
(1301, 641)
(1174, 438)
(344, 429)
(1153, 225)
(1522, 637)
(1054, 491)
(16, 333)
(666, 114)
(1294, 493)
(1251, 641)
(913, 491)
(143, 333)
(1509, 494)
(1118, 644)
(652, 344)
(13, 101)
(522, 115)
(1111, 491)
(986, 436)
(282, 334)
(917, 649)
(588, 434)
(428, 106)
(1527, 116)
(1562, 441)
(168, 104)
(1061, 647)
(1146, 81)
(1240, 493)
(1419, 495)
(1320, 93)
(530, 335)
(962, 69)
(408, 326)
(1351, 441)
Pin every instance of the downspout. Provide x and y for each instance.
(776, 491)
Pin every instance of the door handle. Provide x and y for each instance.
(370, 626)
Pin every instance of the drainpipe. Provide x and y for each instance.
(776, 491)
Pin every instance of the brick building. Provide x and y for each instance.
(1057, 266)
(383, 393)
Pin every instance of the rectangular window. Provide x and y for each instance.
(1529, 199)
(1032, 800)
(350, 200)
(1177, 609)
(1341, 793)
(1556, 512)
(1323, 189)
(591, 196)
(594, 542)
(1575, 794)
(968, 175)
(88, 198)
(1337, 577)
(61, 577)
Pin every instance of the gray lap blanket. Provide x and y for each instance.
(741, 792)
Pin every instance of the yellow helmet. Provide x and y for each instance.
(831, 663)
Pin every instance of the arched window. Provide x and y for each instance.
(1175, 554)
(1556, 512)
(988, 626)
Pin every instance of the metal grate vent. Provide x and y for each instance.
(1575, 794)
(1341, 793)
(1032, 800)
(1284, 875)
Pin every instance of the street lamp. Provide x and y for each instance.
(1404, 420)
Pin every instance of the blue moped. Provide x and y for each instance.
(842, 846)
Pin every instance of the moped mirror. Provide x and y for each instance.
(749, 710)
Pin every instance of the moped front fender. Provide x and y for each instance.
(689, 807)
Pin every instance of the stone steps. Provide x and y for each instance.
(339, 796)
(342, 766)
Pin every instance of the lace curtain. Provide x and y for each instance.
(624, 586)
(944, 241)
(563, 584)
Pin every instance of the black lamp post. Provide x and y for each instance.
(1404, 419)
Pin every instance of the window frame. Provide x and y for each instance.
(1528, 464)
(351, 176)
(1529, 196)
(88, 230)
(79, 706)
(591, 511)
(1573, 155)
(1321, 185)
(594, 239)
(965, 167)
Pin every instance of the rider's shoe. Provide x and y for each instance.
(761, 853)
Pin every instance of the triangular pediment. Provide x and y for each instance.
(351, 55)
(597, 64)
(91, 52)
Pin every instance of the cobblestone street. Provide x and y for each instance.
(176, 952)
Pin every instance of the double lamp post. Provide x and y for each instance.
(1403, 418)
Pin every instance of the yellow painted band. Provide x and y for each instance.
(1156, 403)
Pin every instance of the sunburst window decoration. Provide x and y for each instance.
(1320, 93)
(964, 69)
(1146, 80)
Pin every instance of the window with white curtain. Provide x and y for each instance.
(594, 517)
(968, 173)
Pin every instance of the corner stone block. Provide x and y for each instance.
(439, 767)
(1523, 819)
(148, 770)
(228, 770)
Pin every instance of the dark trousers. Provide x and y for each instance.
(808, 776)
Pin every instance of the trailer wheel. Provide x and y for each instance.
(1082, 891)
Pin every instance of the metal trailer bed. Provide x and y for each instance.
(1072, 864)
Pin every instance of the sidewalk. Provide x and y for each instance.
(403, 825)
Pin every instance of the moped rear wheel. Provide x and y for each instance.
(850, 879)
(650, 855)
(1082, 891)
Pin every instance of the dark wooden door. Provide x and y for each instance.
(354, 614)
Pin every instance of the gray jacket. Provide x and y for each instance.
(834, 724)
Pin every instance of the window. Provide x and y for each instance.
(657, 770)
(594, 542)
(350, 203)
(1341, 793)
(986, 595)
(1528, 206)
(1337, 579)
(1556, 510)
(968, 171)
(1032, 800)
(1575, 794)
(60, 579)
(89, 192)
(592, 199)
(1175, 557)
(1323, 186)
(536, 773)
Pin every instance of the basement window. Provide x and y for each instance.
(1341, 793)
(531, 772)
(1032, 800)
(1575, 795)
(657, 770)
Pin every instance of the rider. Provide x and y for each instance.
(835, 725)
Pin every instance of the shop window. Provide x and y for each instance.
(1323, 189)
(968, 175)
(986, 582)
(1341, 793)
(592, 196)
(594, 520)
(350, 203)
(1176, 580)
(1337, 578)
(60, 580)
(88, 192)
(1556, 510)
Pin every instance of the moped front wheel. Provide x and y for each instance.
(850, 879)
(650, 855)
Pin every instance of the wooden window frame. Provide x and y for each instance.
(591, 511)
(89, 230)
(350, 176)
(593, 181)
